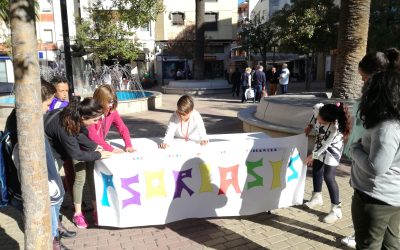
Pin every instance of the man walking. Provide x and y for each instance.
(284, 79)
(259, 82)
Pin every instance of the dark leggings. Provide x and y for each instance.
(325, 172)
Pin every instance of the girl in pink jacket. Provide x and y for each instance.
(106, 96)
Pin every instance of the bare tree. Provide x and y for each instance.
(352, 46)
(200, 41)
(35, 192)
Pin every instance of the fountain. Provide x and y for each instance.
(130, 94)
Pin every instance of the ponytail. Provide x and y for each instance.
(76, 111)
(393, 56)
(339, 112)
(344, 119)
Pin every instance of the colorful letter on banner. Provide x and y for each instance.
(107, 182)
(295, 174)
(276, 174)
(225, 183)
(251, 165)
(206, 185)
(155, 184)
(135, 199)
(180, 185)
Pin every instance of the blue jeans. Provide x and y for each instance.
(284, 88)
(258, 92)
(55, 214)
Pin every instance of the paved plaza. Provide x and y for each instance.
(288, 228)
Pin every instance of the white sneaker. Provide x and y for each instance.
(334, 215)
(349, 241)
(316, 200)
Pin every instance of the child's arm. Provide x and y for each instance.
(333, 131)
(201, 128)
(171, 129)
(123, 131)
(95, 135)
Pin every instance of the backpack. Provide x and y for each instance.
(5, 159)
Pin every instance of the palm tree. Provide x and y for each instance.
(352, 46)
(199, 42)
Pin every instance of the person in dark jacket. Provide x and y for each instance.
(259, 82)
(236, 82)
(68, 136)
(273, 81)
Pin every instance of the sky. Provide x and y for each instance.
(240, 1)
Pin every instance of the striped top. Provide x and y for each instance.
(328, 146)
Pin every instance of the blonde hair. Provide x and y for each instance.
(103, 95)
(248, 69)
(185, 104)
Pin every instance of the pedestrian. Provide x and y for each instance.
(259, 82)
(185, 123)
(332, 126)
(245, 82)
(284, 79)
(375, 174)
(236, 75)
(273, 81)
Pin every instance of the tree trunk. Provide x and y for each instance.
(352, 45)
(34, 185)
(199, 43)
(307, 72)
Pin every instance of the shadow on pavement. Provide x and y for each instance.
(299, 228)
(6, 241)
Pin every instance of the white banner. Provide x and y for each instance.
(235, 174)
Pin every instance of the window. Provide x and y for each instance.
(145, 27)
(48, 36)
(3, 71)
(211, 21)
(178, 18)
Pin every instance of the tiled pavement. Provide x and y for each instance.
(289, 228)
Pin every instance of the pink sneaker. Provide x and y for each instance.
(80, 221)
(95, 221)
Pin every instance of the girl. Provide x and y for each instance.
(67, 132)
(105, 95)
(332, 126)
(185, 123)
(375, 174)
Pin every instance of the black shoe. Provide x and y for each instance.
(67, 234)
(57, 245)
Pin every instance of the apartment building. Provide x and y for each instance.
(175, 33)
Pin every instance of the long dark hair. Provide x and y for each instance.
(374, 62)
(393, 55)
(339, 112)
(381, 99)
(76, 111)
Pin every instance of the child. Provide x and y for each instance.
(107, 98)
(332, 125)
(185, 123)
(60, 99)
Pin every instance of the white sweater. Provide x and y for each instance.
(193, 129)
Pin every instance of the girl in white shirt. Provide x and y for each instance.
(185, 123)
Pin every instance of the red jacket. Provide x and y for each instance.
(99, 131)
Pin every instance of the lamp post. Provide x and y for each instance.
(67, 47)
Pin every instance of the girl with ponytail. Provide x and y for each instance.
(332, 126)
(67, 134)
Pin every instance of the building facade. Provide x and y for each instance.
(175, 38)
